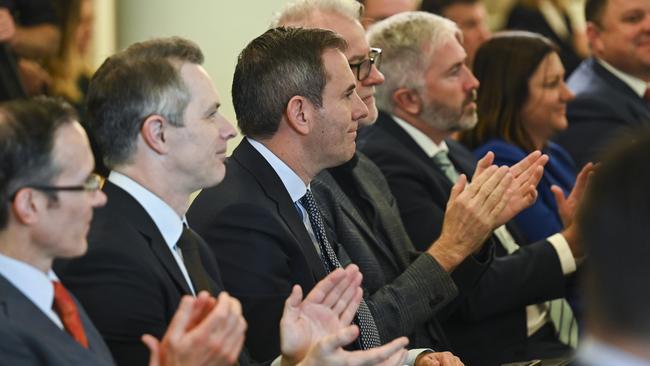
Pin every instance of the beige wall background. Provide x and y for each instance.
(222, 29)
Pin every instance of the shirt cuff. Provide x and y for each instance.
(413, 354)
(567, 262)
(276, 362)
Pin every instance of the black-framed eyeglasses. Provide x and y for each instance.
(363, 68)
(91, 184)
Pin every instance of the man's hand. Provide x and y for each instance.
(471, 213)
(329, 351)
(7, 25)
(328, 308)
(527, 173)
(438, 359)
(204, 331)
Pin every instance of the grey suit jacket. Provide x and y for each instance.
(29, 337)
(405, 289)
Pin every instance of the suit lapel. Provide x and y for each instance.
(123, 204)
(273, 188)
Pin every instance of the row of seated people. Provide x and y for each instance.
(298, 201)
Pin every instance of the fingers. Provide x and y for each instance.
(582, 180)
(291, 304)
(494, 184)
(328, 290)
(484, 163)
(457, 188)
(152, 343)
(180, 320)
(526, 163)
(351, 309)
(391, 354)
(341, 338)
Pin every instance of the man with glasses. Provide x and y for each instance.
(47, 198)
(262, 222)
(359, 208)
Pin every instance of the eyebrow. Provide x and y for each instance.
(213, 107)
(350, 88)
(358, 58)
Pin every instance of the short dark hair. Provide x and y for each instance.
(275, 67)
(439, 6)
(613, 223)
(504, 64)
(133, 84)
(594, 10)
(27, 133)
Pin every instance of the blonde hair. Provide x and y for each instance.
(301, 11)
(408, 41)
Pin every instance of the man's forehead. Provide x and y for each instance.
(348, 28)
(338, 71)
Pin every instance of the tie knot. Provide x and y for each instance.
(442, 158)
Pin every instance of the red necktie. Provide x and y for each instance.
(646, 96)
(66, 308)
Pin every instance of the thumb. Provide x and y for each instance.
(152, 343)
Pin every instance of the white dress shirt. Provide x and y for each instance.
(33, 283)
(166, 219)
(593, 352)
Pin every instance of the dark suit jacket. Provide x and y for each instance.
(260, 242)
(605, 107)
(29, 337)
(128, 282)
(407, 288)
(489, 325)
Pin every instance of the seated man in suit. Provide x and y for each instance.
(154, 110)
(48, 196)
(357, 205)
(428, 94)
(611, 87)
(262, 222)
(615, 210)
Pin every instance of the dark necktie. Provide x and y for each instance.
(646, 95)
(368, 335)
(189, 245)
(66, 309)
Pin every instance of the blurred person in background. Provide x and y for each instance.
(551, 19)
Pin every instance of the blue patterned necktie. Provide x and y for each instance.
(368, 335)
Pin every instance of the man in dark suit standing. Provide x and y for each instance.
(428, 94)
(262, 221)
(155, 114)
(611, 88)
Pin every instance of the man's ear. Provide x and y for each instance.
(26, 206)
(407, 100)
(300, 114)
(593, 37)
(153, 133)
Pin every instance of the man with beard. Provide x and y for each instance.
(357, 205)
(428, 94)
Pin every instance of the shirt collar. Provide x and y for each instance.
(166, 219)
(32, 282)
(429, 146)
(639, 86)
(291, 181)
(595, 352)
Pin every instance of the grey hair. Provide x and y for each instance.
(301, 11)
(409, 42)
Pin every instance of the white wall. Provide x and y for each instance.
(222, 29)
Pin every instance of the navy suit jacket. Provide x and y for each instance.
(258, 238)
(605, 108)
(128, 282)
(29, 338)
(488, 326)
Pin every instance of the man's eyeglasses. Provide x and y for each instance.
(92, 183)
(363, 68)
